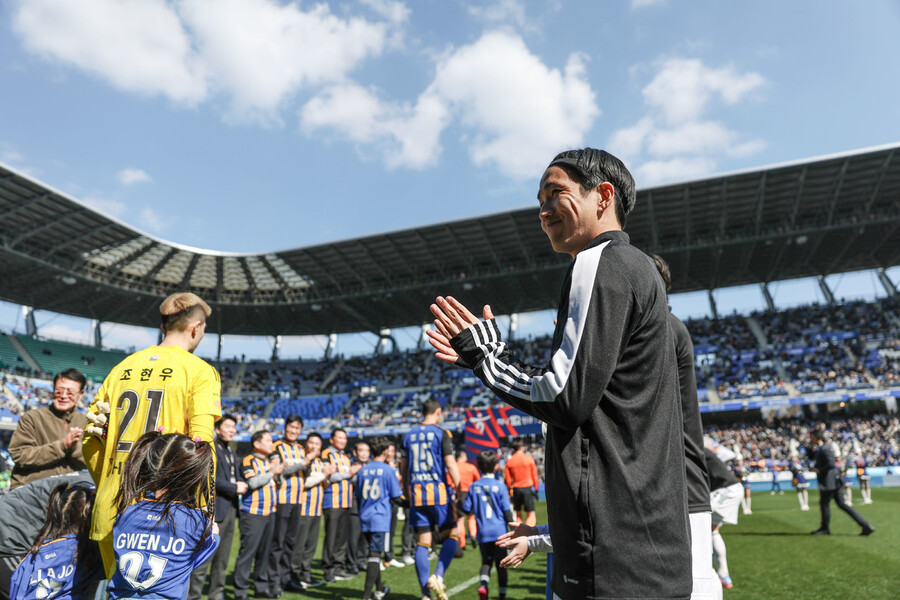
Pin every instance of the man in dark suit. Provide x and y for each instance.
(229, 486)
(829, 477)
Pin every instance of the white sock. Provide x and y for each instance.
(719, 555)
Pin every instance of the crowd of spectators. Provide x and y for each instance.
(875, 438)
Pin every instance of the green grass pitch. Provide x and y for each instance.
(770, 555)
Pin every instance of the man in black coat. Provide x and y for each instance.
(829, 477)
(229, 486)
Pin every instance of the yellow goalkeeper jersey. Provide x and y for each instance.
(157, 387)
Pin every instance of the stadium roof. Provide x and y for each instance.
(825, 215)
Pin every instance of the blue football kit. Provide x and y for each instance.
(425, 447)
(488, 500)
(155, 555)
(376, 486)
(52, 573)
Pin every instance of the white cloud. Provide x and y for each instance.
(501, 12)
(109, 207)
(683, 88)
(264, 51)
(136, 45)
(258, 52)
(391, 10)
(675, 139)
(406, 135)
(674, 169)
(150, 220)
(130, 175)
(515, 111)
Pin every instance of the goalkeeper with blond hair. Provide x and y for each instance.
(161, 388)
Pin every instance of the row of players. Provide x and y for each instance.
(171, 521)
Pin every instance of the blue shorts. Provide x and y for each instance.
(378, 541)
(425, 518)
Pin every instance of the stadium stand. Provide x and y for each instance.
(874, 438)
(55, 356)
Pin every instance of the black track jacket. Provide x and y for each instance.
(615, 471)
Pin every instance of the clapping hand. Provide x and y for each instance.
(451, 317)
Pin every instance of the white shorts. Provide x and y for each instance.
(725, 502)
(706, 581)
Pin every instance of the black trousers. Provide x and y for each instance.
(217, 564)
(256, 543)
(407, 538)
(287, 524)
(305, 548)
(337, 524)
(357, 550)
(825, 498)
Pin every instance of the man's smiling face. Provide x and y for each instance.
(569, 214)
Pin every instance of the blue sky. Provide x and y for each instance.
(255, 125)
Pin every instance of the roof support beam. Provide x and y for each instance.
(795, 209)
(487, 241)
(826, 291)
(889, 286)
(159, 264)
(848, 243)
(69, 242)
(877, 187)
(48, 223)
(525, 253)
(25, 204)
(760, 203)
(431, 256)
(837, 190)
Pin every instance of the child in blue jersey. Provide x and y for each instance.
(377, 487)
(488, 499)
(63, 562)
(162, 534)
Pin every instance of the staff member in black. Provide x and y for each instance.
(697, 476)
(229, 486)
(616, 492)
(830, 483)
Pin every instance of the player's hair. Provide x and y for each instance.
(68, 513)
(336, 429)
(293, 419)
(663, 267)
(378, 445)
(460, 453)
(516, 444)
(223, 418)
(73, 374)
(312, 434)
(258, 435)
(172, 462)
(591, 167)
(487, 462)
(430, 406)
(182, 308)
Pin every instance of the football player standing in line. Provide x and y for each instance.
(161, 388)
(428, 451)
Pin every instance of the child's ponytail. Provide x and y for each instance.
(135, 474)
